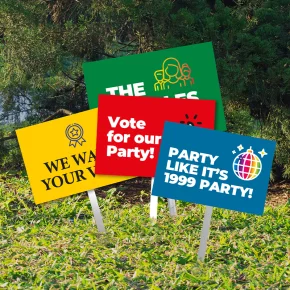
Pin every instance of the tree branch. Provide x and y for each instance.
(106, 54)
(78, 80)
(8, 138)
(128, 44)
(62, 111)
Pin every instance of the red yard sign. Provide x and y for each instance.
(130, 129)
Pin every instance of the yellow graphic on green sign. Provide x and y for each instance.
(172, 73)
(187, 72)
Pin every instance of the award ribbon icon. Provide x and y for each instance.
(74, 133)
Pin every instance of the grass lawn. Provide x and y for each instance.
(57, 246)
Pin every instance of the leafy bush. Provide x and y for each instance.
(10, 155)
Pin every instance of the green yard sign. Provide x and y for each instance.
(184, 72)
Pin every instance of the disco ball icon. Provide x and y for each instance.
(247, 165)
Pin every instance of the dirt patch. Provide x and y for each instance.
(278, 193)
(135, 190)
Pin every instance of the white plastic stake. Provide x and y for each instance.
(154, 204)
(172, 207)
(204, 233)
(96, 210)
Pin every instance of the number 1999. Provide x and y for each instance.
(180, 180)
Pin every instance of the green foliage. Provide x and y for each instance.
(10, 155)
(239, 120)
(44, 43)
(56, 246)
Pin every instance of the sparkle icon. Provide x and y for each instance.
(263, 153)
(240, 147)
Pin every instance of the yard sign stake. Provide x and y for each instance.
(204, 233)
(154, 204)
(171, 206)
(96, 210)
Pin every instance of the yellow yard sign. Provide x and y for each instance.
(59, 156)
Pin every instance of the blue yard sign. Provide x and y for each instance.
(214, 168)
